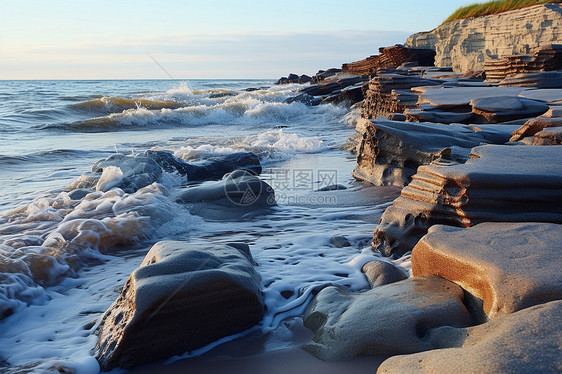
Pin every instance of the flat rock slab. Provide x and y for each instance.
(507, 108)
(461, 96)
(182, 297)
(550, 136)
(550, 96)
(387, 320)
(509, 266)
(524, 342)
(499, 183)
(391, 151)
(545, 79)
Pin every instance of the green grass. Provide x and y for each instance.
(493, 7)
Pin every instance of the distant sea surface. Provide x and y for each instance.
(56, 282)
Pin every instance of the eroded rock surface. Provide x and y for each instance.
(524, 342)
(509, 266)
(391, 151)
(466, 44)
(183, 296)
(387, 320)
(507, 108)
(498, 183)
(534, 126)
(379, 273)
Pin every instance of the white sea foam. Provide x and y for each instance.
(268, 145)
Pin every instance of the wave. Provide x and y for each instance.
(272, 145)
(113, 104)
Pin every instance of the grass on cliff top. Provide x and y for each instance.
(493, 7)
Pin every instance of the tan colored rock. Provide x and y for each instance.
(379, 273)
(551, 136)
(509, 266)
(391, 151)
(465, 44)
(533, 126)
(528, 341)
(183, 296)
(387, 320)
(499, 183)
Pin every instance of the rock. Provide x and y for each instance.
(332, 187)
(305, 99)
(391, 152)
(533, 126)
(507, 108)
(509, 266)
(390, 58)
(436, 116)
(214, 167)
(183, 296)
(304, 79)
(460, 97)
(387, 320)
(550, 96)
(390, 93)
(547, 79)
(379, 273)
(524, 342)
(498, 183)
(550, 136)
(340, 241)
(239, 190)
(465, 44)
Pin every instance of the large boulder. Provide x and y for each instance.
(498, 183)
(524, 342)
(391, 151)
(387, 320)
(183, 296)
(509, 266)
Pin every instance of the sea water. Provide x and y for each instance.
(65, 256)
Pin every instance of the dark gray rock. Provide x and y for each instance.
(182, 297)
(507, 108)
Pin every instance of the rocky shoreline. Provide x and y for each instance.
(480, 212)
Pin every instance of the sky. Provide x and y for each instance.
(103, 39)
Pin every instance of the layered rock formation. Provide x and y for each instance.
(509, 266)
(391, 152)
(390, 319)
(524, 342)
(183, 296)
(545, 58)
(390, 58)
(466, 44)
(498, 183)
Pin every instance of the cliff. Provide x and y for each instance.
(465, 44)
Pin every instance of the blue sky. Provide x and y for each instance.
(201, 39)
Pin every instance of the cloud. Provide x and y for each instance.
(218, 55)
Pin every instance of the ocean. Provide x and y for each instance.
(64, 256)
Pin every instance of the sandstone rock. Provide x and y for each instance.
(524, 342)
(465, 44)
(240, 190)
(550, 136)
(460, 97)
(182, 297)
(379, 273)
(509, 266)
(498, 183)
(548, 79)
(550, 96)
(533, 126)
(507, 108)
(436, 116)
(390, 93)
(387, 320)
(390, 151)
(390, 58)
